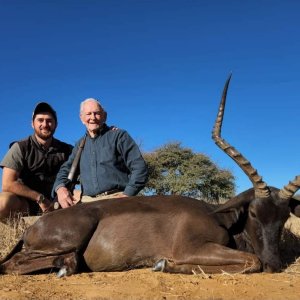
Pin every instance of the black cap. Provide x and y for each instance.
(43, 107)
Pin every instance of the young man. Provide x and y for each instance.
(111, 164)
(30, 167)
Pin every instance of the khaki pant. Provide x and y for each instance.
(85, 199)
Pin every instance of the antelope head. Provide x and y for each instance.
(267, 208)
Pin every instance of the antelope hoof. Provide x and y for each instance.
(160, 265)
(62, 272)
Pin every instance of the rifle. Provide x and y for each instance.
(71, 176)
(74, 167)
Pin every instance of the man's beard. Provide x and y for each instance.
(45, 136)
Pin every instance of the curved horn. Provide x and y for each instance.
(290, 189)
(260, 187)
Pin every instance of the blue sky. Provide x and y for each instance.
(159, 67)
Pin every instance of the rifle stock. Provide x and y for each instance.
(74, 167)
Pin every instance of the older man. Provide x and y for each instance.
(111, 164)
(30, 167)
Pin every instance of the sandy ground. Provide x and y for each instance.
(145, 284)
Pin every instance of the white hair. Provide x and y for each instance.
(88, 100)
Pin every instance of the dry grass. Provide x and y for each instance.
(290, 245)
(10, 233)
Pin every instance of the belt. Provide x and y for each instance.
(107, 193)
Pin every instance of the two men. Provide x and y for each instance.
(111, 164)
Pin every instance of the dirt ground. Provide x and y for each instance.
(145, 284)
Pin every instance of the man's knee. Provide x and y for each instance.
(6, 198)
(11, 204)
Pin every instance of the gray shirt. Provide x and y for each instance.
(37, 167)
(13, 158)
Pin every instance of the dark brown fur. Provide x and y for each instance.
(169, 233)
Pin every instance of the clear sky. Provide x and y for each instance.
(158, 67)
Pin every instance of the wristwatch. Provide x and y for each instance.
(41, 199)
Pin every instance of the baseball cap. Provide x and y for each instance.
(43, 107)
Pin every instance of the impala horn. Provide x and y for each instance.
(260, 187)
(290, 189)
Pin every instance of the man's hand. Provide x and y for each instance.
(47, 206)
(44, 203)
(65, 198)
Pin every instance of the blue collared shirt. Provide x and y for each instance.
(112, 160)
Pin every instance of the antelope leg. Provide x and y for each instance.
(28, 262)
(211, 258)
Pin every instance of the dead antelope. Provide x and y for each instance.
(173, 234)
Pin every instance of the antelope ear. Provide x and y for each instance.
(295, 207)
(238, 202)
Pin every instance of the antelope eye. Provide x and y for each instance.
(252, 214)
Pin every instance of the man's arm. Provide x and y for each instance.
(135, 163)
(12, 165)
(12, 184)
